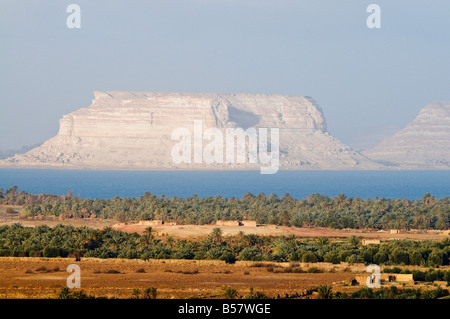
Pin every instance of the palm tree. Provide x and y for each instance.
(149, 232)
(64, 293)
(150, 293)
(340, 200)
(108, 229)
(216, 234)
(136, 293)
(322, 241)
(428, 199)
(325, 292)
(353, 240)
(230, 293)
(281, 248)
(116, 241)
(169, 241)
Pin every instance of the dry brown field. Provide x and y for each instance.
(199, 231)
(37, 278)
(44, 277)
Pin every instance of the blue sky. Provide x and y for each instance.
(369, 82)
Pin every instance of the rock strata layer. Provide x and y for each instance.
(132, 130)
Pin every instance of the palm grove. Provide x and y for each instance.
(316, 210)
(69, 241)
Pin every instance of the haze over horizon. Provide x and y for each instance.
(369, 82)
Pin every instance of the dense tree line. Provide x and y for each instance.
(64, 241)
(392, 292)
(315, 210)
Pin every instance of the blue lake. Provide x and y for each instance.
(107, 184)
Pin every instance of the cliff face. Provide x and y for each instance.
(423, 143)
(132, 130)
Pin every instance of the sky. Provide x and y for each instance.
(369, 82)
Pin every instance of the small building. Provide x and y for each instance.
(228, 223)
(387, 278)
(156, 222)
(249, 223)
(397, 278)
(366, 242)
(395, 231)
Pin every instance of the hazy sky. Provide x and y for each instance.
(369, 82)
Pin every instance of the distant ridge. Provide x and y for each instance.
(8, 153)
(132, 130)
(422, 144)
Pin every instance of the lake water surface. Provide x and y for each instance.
(107, 184)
